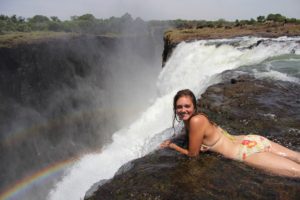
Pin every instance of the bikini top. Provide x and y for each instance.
(223, 133)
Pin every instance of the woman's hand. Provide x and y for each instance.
(165, 144)
(204, 148)
(171, 145)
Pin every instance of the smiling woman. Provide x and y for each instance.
(184, 108)
(253, 150)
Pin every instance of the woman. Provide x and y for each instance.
(254, 150)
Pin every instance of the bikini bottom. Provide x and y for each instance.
(252, 144)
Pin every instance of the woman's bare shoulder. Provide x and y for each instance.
(199, 118)
(198, 123)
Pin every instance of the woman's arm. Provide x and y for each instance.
(197, 126)
(170, 144)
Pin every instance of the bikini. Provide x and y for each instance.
(205, 147)
(249, 145)
(252, 144)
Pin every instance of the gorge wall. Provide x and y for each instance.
(63, 96)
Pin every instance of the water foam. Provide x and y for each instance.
(276, 75)
(192, 65)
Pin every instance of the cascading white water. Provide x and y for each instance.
(192, 65)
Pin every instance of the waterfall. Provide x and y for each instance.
(194, 65)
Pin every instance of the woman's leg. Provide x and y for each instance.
(285, 152)
(274, 163)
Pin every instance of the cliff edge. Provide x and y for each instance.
(270, 30)
(234, 104)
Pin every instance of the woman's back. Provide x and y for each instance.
(215, 138)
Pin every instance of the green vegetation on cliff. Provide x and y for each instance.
(125, 24)
(261, 30)
(14, 30)
(9, 40)
(80, 24)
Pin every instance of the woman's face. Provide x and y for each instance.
(185, 108)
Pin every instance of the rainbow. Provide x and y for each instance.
(24, 184)
(46, 173)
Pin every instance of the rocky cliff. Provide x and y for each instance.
(238, 104)
(54, 90)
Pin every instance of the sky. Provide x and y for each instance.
(153, 9)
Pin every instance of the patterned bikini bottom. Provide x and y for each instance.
(252, 144)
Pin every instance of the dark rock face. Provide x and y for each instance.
(38, 90)
(168, 49)
(240, 104)
(32, 72)
(244, 104)
(49, 108)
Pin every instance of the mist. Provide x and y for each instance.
(69, 97)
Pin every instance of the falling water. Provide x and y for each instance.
(194, 65)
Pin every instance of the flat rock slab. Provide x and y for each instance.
(240, 104)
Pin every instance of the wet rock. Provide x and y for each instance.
(245, 105)
(250, 105)
(95, 187)
(168, 49)
(165, 174)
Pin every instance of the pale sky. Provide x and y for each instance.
(153, 9)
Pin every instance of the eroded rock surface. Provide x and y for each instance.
(239, 104)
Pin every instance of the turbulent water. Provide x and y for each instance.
(193, 65)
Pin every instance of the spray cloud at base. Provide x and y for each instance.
(66, 97)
